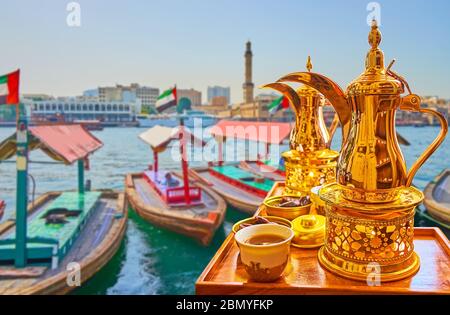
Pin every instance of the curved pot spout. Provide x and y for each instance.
(330, 90)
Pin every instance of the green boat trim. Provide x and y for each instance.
(244, 177)
(49, 243)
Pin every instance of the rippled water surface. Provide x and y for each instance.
(155, 261)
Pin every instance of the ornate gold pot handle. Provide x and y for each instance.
(412, 103)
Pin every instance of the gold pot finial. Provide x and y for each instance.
(309, 64)
(374, 35)
(306, 90)
(375, 56)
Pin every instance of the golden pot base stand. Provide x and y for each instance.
(360, 272)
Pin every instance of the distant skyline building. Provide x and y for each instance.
(194, 96)
(248, 85)
(215, 91)
(91, 93)
(147, 95)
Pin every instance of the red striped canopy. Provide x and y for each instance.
(266, 132)
(65, 143)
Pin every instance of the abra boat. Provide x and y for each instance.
(63, 238)
(239, 188)
(192, 118)
(91, 125)
(168, 199)
(437, 197)
(148, 121)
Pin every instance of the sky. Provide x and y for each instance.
(200, 43)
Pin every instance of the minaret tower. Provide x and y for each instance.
(248, 84)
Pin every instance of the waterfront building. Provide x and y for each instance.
(93, 93)
(193, 96)
(218, 92)
(84, 108)
(218, 104)
(221, 101)
(37, 96)
(121, 93)
(259, 110)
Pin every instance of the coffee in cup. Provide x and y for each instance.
(264, 250)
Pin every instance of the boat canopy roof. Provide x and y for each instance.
(64, 143)
(267, 132)
(159, 137)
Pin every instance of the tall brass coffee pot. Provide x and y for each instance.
(309, 162)
(370, 208)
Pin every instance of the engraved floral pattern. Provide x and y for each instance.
(301, 177)
(370, 240)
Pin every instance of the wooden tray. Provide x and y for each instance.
(225, 275)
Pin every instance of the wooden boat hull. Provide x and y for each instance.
(438, 210)
(95, 258)
(155, 211)
(238, 199)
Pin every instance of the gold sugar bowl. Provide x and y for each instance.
(309, 231)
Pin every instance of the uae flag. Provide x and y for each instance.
(166, 100)
(278, 104)
(9, 88)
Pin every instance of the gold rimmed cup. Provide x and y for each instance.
(264, 262)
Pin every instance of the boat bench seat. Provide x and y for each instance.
(170, 194)
(62, 234)
(156, 178)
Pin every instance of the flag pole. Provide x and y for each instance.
(20, 259)
(183, 152)
(17, 115)
(21, 191)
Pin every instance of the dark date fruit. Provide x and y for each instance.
(288, 202)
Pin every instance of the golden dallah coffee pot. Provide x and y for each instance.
(309, 162)
(370, 209)
(371, 166)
